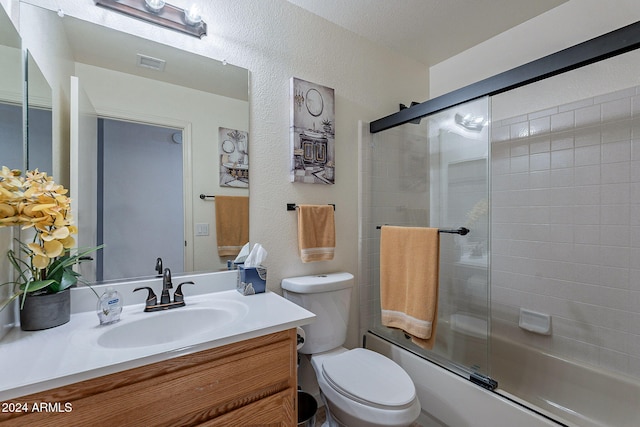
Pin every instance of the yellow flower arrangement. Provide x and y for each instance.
(34, 201)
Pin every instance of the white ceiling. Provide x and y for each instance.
(429, 31)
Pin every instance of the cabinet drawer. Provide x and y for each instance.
(277, 410)
(187, 390)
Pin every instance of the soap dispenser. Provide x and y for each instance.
(109, 306)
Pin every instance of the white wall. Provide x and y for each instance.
(142, 99)
(275, 41)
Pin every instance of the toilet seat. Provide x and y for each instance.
(370, 379)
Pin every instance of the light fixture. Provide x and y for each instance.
(155, 6)
(160, 13)
(192, 15)
(469, 122)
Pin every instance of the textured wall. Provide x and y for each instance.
(276, 41)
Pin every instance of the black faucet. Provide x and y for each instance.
(165, 298)
(159, 265)
(151, 303)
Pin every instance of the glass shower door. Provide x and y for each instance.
(459, 145)
(435, 174)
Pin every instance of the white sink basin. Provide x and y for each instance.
(170, 326)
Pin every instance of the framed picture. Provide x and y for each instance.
(312, 133)
(233, 147)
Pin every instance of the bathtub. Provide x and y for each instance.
(574, 393)
(543, 391)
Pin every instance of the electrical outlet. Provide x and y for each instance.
(202, 229)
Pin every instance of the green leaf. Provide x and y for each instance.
(36, 285)
(69, 278)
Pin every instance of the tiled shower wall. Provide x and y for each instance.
(565, 220)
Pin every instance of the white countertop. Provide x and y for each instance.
(31, 362)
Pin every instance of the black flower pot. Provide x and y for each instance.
(45, 311)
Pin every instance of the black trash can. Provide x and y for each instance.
(307, 407)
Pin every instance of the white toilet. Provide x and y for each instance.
(359, 387)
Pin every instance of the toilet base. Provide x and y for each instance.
(342, 411)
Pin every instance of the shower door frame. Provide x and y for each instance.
(606, 46)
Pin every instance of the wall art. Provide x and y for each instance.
(233, 147)
(312, 133)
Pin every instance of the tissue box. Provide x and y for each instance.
(231, 265)
(251, 280)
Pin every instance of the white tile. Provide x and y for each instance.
(634, 175)
(612, 96)
(586, 234)
(576, 105)
(617, 109)
(560, 214)
(614, 256)
(615, 235)
(586, 195)
(616, 131)
(634, 215)
(563, 196)
(562, 177)
(540, 125)
(542, 113)
(562, 159)
(540, 179)
(540, 145)
(562, 121)
(587, 175)
(635, 148)
(616, 152)
(519, 164)
(586, 215)
(612, 173)
(587, 137)
(614, 277)
(539, 161)
(519, 130)
(588, 116)
(520, 148)
(561, 141)
(616, 194)
(615, 215)
(589, 155)
(587, 254)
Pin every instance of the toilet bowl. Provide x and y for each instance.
(359, 387)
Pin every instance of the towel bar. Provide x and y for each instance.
(461, 231)
(293, 206)
(205, 197)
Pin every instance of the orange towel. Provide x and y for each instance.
(232, 224)
(316, 232)
(409, 265)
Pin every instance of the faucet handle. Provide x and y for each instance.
(152, 299)
(159, 265)
(177, 295)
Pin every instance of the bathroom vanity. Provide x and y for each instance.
(236, 372)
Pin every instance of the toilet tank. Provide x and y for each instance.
(328, 296)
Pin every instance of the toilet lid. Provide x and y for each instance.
(369, 378)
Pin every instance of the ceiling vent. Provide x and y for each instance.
(149, 62)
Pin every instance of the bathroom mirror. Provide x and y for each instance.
(133, 80)
(38, 129)
(11, 95)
